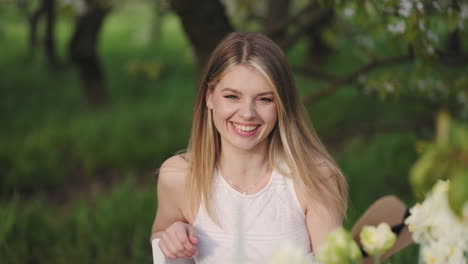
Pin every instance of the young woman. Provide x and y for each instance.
(254, 165)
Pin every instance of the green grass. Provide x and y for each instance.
(55, 133)
(49, 134)
(106, 227)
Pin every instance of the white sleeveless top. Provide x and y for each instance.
(253, 226)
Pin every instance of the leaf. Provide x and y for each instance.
(458, 191)
(421, 170)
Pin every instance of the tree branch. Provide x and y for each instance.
(285, 23)
(351, 77)
(369, 129)
(277, 10)
(314, 19)
(314, 73)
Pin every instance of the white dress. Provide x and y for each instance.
(251, 227)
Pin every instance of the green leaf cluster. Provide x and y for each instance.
(444, 158)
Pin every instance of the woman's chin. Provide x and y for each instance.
(247, 146)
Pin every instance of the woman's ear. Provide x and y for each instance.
(209, 97)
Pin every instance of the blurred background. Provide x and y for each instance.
(96, 94)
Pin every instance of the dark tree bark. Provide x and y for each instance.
(33, 21)
(49, 38)
(160, 9)
(454, 46)
(278, 10)
(307, 18)
(317, 49)
(83, 54)
(45, 10)
(205, 24)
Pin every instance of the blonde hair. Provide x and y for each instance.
(292, 143)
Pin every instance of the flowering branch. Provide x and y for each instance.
(337, 83)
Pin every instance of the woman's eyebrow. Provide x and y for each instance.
(230, 90)
(238, 92)
(265, 93)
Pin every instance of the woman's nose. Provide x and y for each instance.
(247, 110)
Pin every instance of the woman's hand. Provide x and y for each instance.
(178, 241)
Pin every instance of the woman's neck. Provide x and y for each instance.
(243, 166)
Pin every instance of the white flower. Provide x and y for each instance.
(421, 25)
(440, 188)
(443, 237)
(288, 254)
(443, 252)
(338, 248)
(432, 36)
(365, 42)
(419, 6)
(463, 99)
(348, 12)
(463, 11)
(389, 87)
(428, 221)
(465, 208)
(405, 8)
(377, 240)
(397, 28)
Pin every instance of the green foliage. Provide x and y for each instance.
(382, 162)
(25, 228)
(127, 137)
(109, 227)
(425, 31)
(458, 194)
(48, 135)
(445, 158)
(147, 70)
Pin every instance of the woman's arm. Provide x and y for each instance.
(322, 218)
(177, 236)
(170, 191)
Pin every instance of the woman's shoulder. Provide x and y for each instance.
(177, 162)
(173, 172)
(326, 172)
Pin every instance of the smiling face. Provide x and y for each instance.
(243, 107)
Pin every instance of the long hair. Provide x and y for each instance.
(294, 147)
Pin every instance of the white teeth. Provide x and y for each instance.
(245, 128)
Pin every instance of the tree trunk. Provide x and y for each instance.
(454, 46)
(160, 9)
(49, 39)
(277, 11)
(317, 49)
(205, 24)
(83, 53)
(33, 22)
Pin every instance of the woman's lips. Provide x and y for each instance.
(245, 130)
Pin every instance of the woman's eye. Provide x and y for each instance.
(266, 99)
(230, 96)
